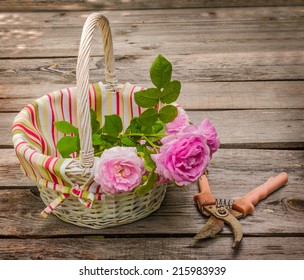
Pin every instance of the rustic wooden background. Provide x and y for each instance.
(240, 63)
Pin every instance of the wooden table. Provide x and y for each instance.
(240, 66)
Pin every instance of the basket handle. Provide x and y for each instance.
(82, 81)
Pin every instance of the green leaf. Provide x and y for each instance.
(98, 140)
(148, 185)
(101, 130)
(140, 149)
(67, 145)
(148, 117)
(146, 129)
(134, 126)
(168, 113)
(158, 127)
(171, 92)
(127, 141)
(95, 124)
(113, 125)
(65, 127)
(147, 98)
(113, 140)
(160, 72)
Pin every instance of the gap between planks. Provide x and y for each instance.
(87, 5)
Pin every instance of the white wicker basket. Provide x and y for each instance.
(56, 178)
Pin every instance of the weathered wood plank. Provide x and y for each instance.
(194, 96)
(180, 16)
(69, 5)
(147, 39)
(242, 95)
(217, 15)
(252, 248)
(251, 66)
(259, 128)
(10, 171)
(258, 27)
(236, 128)
(256, 46)
(232, 174)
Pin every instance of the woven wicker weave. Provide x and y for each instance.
(112, 210)
(115, 210)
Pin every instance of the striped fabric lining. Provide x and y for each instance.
(35, 137)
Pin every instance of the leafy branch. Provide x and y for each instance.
(144, 132)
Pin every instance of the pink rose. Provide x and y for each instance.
(119, 170)
(162, 180)
(182, 158)
(208, 131)
(181, 121)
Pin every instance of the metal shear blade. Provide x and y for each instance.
(214, 225)
(222, 213)
(210, 229)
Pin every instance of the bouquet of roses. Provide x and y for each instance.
(158, 147)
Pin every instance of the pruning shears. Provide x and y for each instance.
(221, 212)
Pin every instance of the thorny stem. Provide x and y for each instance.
(98, 154)
(145, 135)
(151, 144)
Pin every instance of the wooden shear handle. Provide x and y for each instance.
(247, 202)
(205, 197)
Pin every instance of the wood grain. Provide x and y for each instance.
(10, 171)
(277, 216)
(132, 39)
(240, 67)
(194, 96)
(221, 30)
(274, 129)
(232, 174)
(252, 248)
(241, 15)
(70, 5)
(249, 66)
